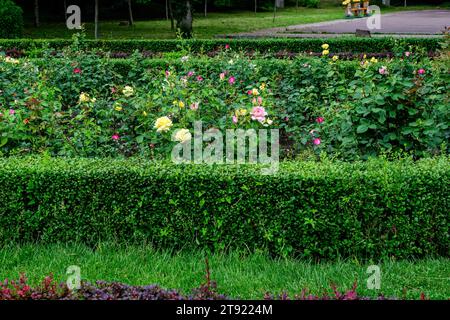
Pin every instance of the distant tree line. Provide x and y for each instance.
(179, 12)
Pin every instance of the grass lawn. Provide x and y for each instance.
(215, 23)
(237, 276)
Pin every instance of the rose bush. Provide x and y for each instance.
(85, 104)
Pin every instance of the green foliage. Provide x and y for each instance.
(374, 209)
(263, 45)
(312, 3)
(364, 113)
(11, 20)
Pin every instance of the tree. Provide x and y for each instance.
(130, 12)
(96, 19)
(182, 12)
(36, 13)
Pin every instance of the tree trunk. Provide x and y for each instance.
(274, 10)
(130, 11)
(96, 19)
(256, 6)
(65, 10)
(405, 3)
(206, 8)
(185, 24)
(167, 9)
(172, 20)
(36, 13)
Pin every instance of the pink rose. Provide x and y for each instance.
(190, 73)
(227, 46)
(194, 106)
(199, 78)
(317, 141)
(383, 71)
(167, 73)
(320, 120)
(421, 71)
(235, 119)
(77, 70)
(407, 53)
(115, 137)
(259, 114)
(222, 76)
(12, 111)
(232, 80)
(249, 92)
(260, 101)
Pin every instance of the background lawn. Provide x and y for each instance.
(237, 275)
(215, 23)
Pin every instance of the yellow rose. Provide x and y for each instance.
(374, 60)
(11, 60)
(128, 91)
(183, 135)
(163, 124)
(242, 112)
(84, 97)
(325, 46)
(255, 92)
(335, 58)
(181, 104)
(118, 107)
(145, 113)
(262, 86)
(325, 52)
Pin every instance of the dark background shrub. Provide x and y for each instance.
(11, 20)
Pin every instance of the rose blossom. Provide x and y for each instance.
(383, 70)
(235, 119)
(259, 114)
(320, 120)
(421, 71)
(231, 80)
(115, 137)
(316, 141)
(194, 106)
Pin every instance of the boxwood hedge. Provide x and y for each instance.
(355, 45)
(324, 210)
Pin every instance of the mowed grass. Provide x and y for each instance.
(214, 24)
(239, 276)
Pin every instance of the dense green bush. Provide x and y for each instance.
(312, 3)
(373, 210)
(11, 20)
(364, 45)
(364, 112)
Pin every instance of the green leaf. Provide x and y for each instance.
(362, 128)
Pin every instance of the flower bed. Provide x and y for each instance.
(102, 290)
(85, 105)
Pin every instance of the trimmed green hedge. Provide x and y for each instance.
(369, 210)
(366, 45)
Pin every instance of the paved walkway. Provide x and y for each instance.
(426, 23)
